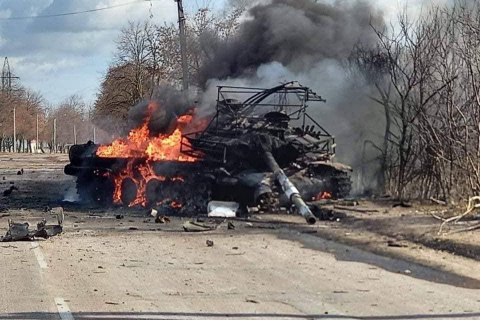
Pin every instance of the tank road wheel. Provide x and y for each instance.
(153, 192)
(94, 189)
(129, 191)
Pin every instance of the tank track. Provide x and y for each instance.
(340, 184)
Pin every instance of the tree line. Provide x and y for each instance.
(29, 124)
(426, 78)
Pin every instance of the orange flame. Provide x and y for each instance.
(176, 205)
(323, 195)
(139, 144)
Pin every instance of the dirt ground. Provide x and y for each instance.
(117, 263)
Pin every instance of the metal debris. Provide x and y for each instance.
(20, 231)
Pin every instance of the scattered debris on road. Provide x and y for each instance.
(159, 218)
(19, 231)
(162, 219)
(251, 300)
(209, 243)
(191, 226)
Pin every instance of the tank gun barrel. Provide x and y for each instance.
(289, 188)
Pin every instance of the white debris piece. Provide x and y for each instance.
(224, 209)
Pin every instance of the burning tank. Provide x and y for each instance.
(261, 148)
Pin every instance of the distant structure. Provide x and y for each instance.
(7, 76)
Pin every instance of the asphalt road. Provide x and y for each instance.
(134, 274)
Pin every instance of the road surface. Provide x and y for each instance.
(117, 273)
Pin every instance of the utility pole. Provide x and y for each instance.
(7, 87)
(54, 135)
(14, 132)
(183, 44)
(36, 141)
(94, 134)
(74, 134)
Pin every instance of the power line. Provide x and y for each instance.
(75, 12)
(7, 77)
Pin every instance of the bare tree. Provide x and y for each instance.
(426, 75)
(149, 55)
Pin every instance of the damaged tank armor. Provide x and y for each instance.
(261, 147)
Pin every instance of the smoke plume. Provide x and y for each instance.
(295, 33)
(284, 40)
(168, 104)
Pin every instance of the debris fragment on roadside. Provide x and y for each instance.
(20, 231)
(223, 209)
(159, 218)
(191, 226)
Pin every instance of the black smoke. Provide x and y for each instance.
(295, 33)
(168, 104)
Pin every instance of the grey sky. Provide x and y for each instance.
(67, 55)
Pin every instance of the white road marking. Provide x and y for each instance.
(39, 255)
(63, 309)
